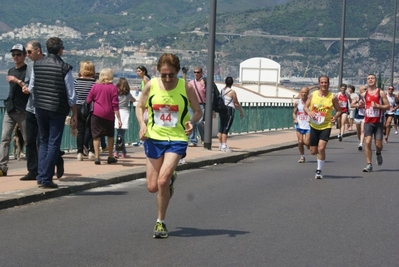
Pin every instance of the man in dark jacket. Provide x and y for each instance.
(15, 105)
(53, 90)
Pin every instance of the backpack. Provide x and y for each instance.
(219, 105)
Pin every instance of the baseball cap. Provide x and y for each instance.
(18, 47)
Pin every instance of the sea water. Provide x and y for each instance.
(4, 88)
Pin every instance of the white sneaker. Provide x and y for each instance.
(396, 132)
(91, 156)
(226, 149)
(181, 161)
(79, 157)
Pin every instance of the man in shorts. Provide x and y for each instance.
(375, 103)
(319, 107)
(301, 121)
(359, 117)
(166, 131)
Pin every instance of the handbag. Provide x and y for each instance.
(203, 103)
(86, 110)
(119, 143)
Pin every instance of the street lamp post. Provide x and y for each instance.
(209, 83)
(393, 43)
(341, 52)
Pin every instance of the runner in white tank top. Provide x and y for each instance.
(301, 121)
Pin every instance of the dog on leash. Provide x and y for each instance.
(18, 143)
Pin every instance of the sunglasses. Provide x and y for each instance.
(197, 72)
(170, 75)
(30, 51)
(16, 54)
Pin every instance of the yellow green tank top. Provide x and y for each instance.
(323, 107)
(167, 112)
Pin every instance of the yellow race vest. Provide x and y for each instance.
(167, 112)
(323, 108)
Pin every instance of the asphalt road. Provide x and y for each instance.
(263, 211)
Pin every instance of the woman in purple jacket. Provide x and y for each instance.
(106, 108)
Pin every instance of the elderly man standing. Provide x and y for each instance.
(200, 89)
(53, 90)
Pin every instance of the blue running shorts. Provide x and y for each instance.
(154, 149)
(301, 131)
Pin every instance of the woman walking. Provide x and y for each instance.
(226, 119)
(106, 107)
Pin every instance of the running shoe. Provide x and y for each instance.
(379, 159)
(318, 175)
(160, 230)
(396, 132)
(369, 168)
(360, 147)
(301, 160)
(171, 186)
(340, 138)
(79, 157)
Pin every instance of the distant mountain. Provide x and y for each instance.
(159, 24)
(143, 18)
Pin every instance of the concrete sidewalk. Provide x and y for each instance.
(83, 175)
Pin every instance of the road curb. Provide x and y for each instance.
(67, 187)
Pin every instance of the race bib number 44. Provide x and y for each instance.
(166, 115)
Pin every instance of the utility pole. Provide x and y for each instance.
(209, 79)
(341, 52)
(393, 43)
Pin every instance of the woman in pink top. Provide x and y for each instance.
(106, 108)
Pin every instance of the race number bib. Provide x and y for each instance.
(342, 104)
(372, 112)
(302, 116)
(166, 115)
(319, 118)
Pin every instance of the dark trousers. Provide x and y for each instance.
(31, 143)
(51, 127)
(84, 135)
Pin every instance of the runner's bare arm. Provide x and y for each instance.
(337, 108)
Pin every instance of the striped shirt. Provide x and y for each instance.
(83, 87)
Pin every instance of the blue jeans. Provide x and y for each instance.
(51, 127)
(199, 125)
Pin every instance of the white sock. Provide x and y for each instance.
(161, 221)
(302, 156)
(320, 164)
(223, 145)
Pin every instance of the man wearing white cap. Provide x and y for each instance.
(15, 105)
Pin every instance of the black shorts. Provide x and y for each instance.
(317, 135)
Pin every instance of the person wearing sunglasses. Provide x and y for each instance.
(15, 105)
(166, 133)
(52, 85)
(199, 87)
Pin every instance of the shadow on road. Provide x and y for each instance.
(192, 232)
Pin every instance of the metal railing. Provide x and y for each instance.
(258, 117)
